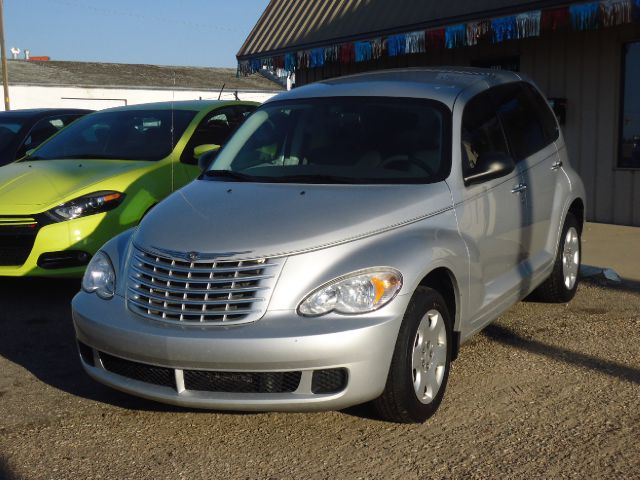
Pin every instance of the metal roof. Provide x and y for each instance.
(288, 25)
(119, 75)
(442, 84)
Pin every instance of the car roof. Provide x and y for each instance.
(40, 112)
(197, 105)
(443, 83)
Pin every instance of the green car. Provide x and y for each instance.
(99, 177)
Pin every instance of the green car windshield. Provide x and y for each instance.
(119, 134)
(332, 140)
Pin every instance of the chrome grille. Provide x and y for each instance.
(216, 291)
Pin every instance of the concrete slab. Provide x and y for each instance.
(612, 246)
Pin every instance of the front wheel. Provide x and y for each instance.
(562, 284)
(421, 360)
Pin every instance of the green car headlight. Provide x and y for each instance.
(87, 205)
(100, 276)
(356, 293)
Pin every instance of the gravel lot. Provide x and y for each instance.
(546, 391)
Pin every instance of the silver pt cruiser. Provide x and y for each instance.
(340, 248)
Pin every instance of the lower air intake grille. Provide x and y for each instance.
(139, 371)
(329, 381)
(16, 242)
(242, 382)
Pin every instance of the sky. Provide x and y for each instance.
(206, 33)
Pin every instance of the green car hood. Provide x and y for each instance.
(31, 187)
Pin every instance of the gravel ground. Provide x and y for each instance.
(546, 391)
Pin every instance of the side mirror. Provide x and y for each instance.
(207, 158)
(490, 165)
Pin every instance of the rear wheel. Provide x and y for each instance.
(420, 366)
(562, 284)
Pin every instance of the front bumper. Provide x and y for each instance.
(85, 234)
(281, 341)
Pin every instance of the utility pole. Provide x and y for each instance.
(3, 53)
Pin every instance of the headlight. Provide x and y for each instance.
(100, 277)
(358, 292)
(87, 205)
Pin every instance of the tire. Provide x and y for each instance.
(562, 284)
(426, 322)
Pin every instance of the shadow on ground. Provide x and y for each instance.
(37, 334)
(508, 337)
(5, 472)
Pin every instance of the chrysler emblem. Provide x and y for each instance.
(193, 256)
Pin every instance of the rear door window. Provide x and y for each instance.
(481, 132)
(522, 120)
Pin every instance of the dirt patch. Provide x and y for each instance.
(546, 391)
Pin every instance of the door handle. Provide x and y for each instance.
(521, 187)
(556, 165)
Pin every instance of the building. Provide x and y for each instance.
(584, 56)
(101, 85)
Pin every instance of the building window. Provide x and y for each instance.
(630, 128)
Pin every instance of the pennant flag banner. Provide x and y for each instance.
(585, 16)
(455, 36)
(332, 54)
(503, 29)
(615, 12)
(290, 62)
(478, 32)
(364, 51)
(436, 38)
(316, 58)
(415, 42)
(555, 19)
(377, 47)
(528, 24)
(396, 45)
(576, 17)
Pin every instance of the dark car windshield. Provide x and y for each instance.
(119, 134)
(340, 140)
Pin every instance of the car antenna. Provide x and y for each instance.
(221, 90)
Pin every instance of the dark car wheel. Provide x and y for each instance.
(420, 365)
(562, 284)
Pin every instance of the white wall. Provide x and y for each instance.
(25, 96)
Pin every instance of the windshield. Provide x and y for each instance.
(340, 140)
(120, 134)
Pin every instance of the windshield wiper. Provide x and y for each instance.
(228, 174)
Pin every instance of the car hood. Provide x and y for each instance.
(251, 220)
(29, 187)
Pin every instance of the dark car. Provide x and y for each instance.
(24, 130)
